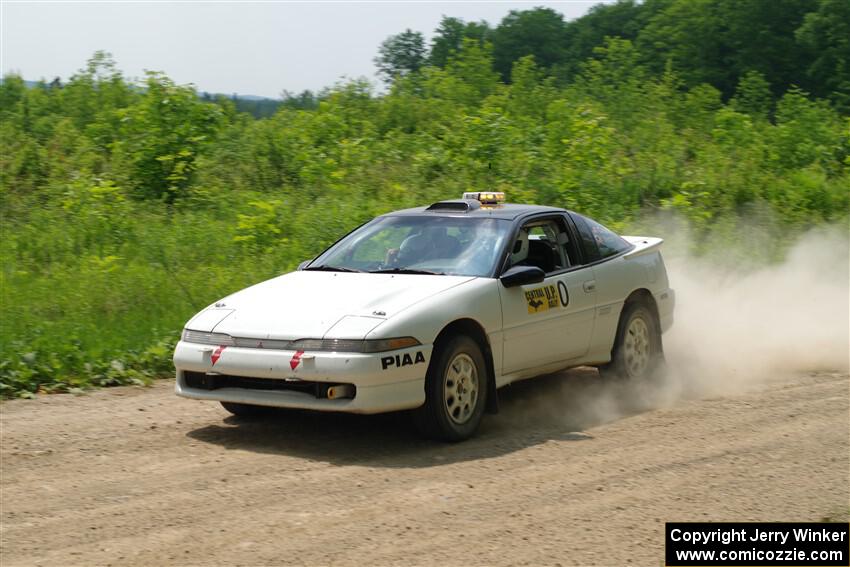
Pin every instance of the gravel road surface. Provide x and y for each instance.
(571, 472)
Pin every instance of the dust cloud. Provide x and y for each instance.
(738, 328)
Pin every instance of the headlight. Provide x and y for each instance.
(202, 338)
(325, 345)
(353, 345)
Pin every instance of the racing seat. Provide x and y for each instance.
(445, 246)
(540, 254)
(413, 248)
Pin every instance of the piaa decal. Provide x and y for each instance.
(400, 360)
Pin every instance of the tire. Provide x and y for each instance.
(637, 353)
(246, 411)
(455, 391)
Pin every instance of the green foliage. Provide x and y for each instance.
(753, 95)
(69, 369)
(160, 138)
(724, 43)
(261, 228)
(127, 208)
(538, 32)
(450, 35)
(622, 19)
(719, 41)
(825, 34)
(400, 55)
(471, 70)
(305, 100)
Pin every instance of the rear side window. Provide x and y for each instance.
(597, 241)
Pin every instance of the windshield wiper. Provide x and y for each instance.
(326, 268)
(407, 271)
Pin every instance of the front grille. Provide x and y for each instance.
(221, 339)
(202, 381)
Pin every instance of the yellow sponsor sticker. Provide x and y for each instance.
(541, 299)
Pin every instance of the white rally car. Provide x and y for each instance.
(433, 309)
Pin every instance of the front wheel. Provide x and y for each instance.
(455, 391)
(637, 353)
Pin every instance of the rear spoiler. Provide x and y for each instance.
(642, 245)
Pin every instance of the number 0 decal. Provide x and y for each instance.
(565, 295)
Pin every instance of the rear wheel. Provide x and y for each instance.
(245, 410)
(455, 391)
(637, 353)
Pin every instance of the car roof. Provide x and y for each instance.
(508, 211)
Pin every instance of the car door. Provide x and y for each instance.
(551, 321)
(616, 277)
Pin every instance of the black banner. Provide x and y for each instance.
(764, 544)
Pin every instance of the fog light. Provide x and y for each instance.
(340, 391)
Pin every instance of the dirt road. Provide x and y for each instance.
(571, 472)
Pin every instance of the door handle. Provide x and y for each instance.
(589, 286)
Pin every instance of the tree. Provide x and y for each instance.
(13, 91)
(161, 137)
(306, 100)
(538, 32)
(760, 37)
(95, 90)
(623, 19)
(753, 95)
(473, 65)
(719, 41)
(449, 36)
(688, 34)
(826, 34)
(400, 55)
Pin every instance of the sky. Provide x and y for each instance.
(245, 47)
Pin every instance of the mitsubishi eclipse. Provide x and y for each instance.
(433, 309)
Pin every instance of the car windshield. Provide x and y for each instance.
(455, 246)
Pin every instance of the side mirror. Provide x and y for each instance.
(303, 265)
(522, 275)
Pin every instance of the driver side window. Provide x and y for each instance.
(543, 243)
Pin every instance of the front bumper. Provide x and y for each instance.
(386, 381)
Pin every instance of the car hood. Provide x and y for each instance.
(309, 304)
